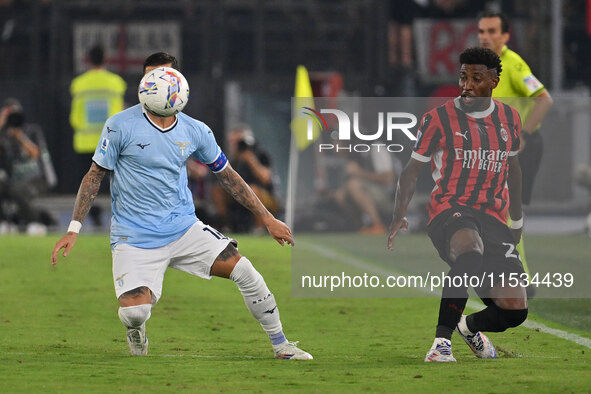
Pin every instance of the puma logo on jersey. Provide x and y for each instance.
(110, 130)
(465, 135)
(142, 146)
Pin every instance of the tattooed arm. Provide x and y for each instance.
(241, 192)
(86, 194)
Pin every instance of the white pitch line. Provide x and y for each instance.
(473, 304)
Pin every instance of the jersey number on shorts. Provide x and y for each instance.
(509, 254)
(214, 232)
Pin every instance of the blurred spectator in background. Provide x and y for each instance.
(400, 45)
(254, 166)
(403, 80)
(26, 171)
(402, 13)
(577, 44)
(442, 9)
(369, 187)
(97, 95)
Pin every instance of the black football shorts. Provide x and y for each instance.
(500, 258)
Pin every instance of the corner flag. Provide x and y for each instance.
(303, 98)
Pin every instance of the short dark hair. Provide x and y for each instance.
(96, 55)
(484, 56)
(495, 14)
(160, 59)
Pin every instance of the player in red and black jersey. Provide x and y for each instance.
(468, 154)
(472, 143)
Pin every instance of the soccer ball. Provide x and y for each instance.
(163, 91)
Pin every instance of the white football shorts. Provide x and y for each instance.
(194, 253)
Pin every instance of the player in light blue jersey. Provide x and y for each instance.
(153, 223)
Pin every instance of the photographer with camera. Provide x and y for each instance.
(25, 171)
(254, 165)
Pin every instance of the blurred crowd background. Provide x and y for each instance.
(240, 57)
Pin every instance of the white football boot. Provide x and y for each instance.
(479, 343)
(289, 351)
(440, 351)
(137, 341)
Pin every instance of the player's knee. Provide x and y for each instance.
(134, 316)
(513, 318)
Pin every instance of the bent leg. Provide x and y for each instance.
(465, 253)
(134, 311)
(257, 296)
(258, 299)
(508, 309)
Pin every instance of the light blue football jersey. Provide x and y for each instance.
(151, 204)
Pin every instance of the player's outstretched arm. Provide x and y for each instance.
(514, 184)
(86, 194)
(404, 192)
(233, 183)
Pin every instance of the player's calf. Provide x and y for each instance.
(495, 319)
(261, 304)
(257, 296)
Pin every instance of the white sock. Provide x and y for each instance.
(257, 296)
(464, 327)
(437, 341)
(134, 316)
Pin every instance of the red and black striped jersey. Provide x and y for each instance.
(468, 154)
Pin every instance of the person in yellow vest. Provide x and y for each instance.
(518, 81)
(97, 95)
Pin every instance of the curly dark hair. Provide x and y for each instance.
(484, 56)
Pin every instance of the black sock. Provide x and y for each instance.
(453, 299)
(450, 312)
(485, 320)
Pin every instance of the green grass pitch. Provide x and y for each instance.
(59, 332)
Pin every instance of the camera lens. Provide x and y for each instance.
(15, 119)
